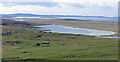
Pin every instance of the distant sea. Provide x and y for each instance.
(106, 19)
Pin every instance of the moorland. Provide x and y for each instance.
(20, 42)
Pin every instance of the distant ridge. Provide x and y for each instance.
(31, 15)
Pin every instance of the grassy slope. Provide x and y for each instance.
(109, 26)
(77, 47)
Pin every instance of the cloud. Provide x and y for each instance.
(46, 4)
(63, 7)
(110, 3)
(27, 0)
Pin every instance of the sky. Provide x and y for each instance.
(61, 7)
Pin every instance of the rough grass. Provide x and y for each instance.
(61, 47)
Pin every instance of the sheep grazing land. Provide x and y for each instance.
(20, 44)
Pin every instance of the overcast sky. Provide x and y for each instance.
(61, 7)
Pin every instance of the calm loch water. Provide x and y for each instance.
(72, 30)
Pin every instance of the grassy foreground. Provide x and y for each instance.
(20, 43)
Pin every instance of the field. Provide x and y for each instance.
(20, 44)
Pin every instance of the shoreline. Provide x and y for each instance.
(100, 35)
(115, 34)
(99, 25)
